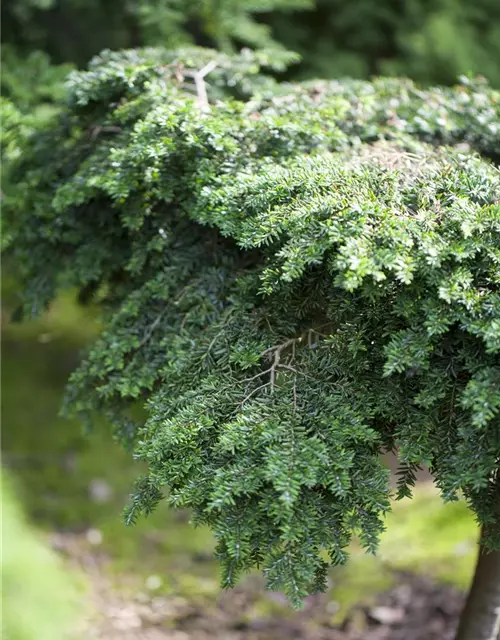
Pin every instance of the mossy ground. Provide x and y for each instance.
(53, 466)
(33, 579)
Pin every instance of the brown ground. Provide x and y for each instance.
(416, 609)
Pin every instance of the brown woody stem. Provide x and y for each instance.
(480, 619)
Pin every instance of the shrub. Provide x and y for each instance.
(296, 278)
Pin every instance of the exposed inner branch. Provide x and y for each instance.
(199, 81)
(276, 353)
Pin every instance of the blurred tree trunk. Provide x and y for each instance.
(480, 619)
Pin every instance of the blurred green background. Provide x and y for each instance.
(432, 41)
(66, 489)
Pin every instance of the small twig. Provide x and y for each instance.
(227, 314)
(452, 405)
(280, 347)
(185, 289)
(257, 375)
(296, 371)
(287, 366)
(277, 355)
(201, 88)
(179, 73)
(207, 68)
(184, 320)
(254, 391)
(212, 342)
(272, 369)
(277, 351)
(98, 129)
(149, 332)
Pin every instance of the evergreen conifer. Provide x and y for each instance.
(294, 278)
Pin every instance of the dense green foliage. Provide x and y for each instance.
(429, 41)
(295, 277)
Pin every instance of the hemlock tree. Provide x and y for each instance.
(295, 278)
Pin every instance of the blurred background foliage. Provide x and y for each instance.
(432, 41)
